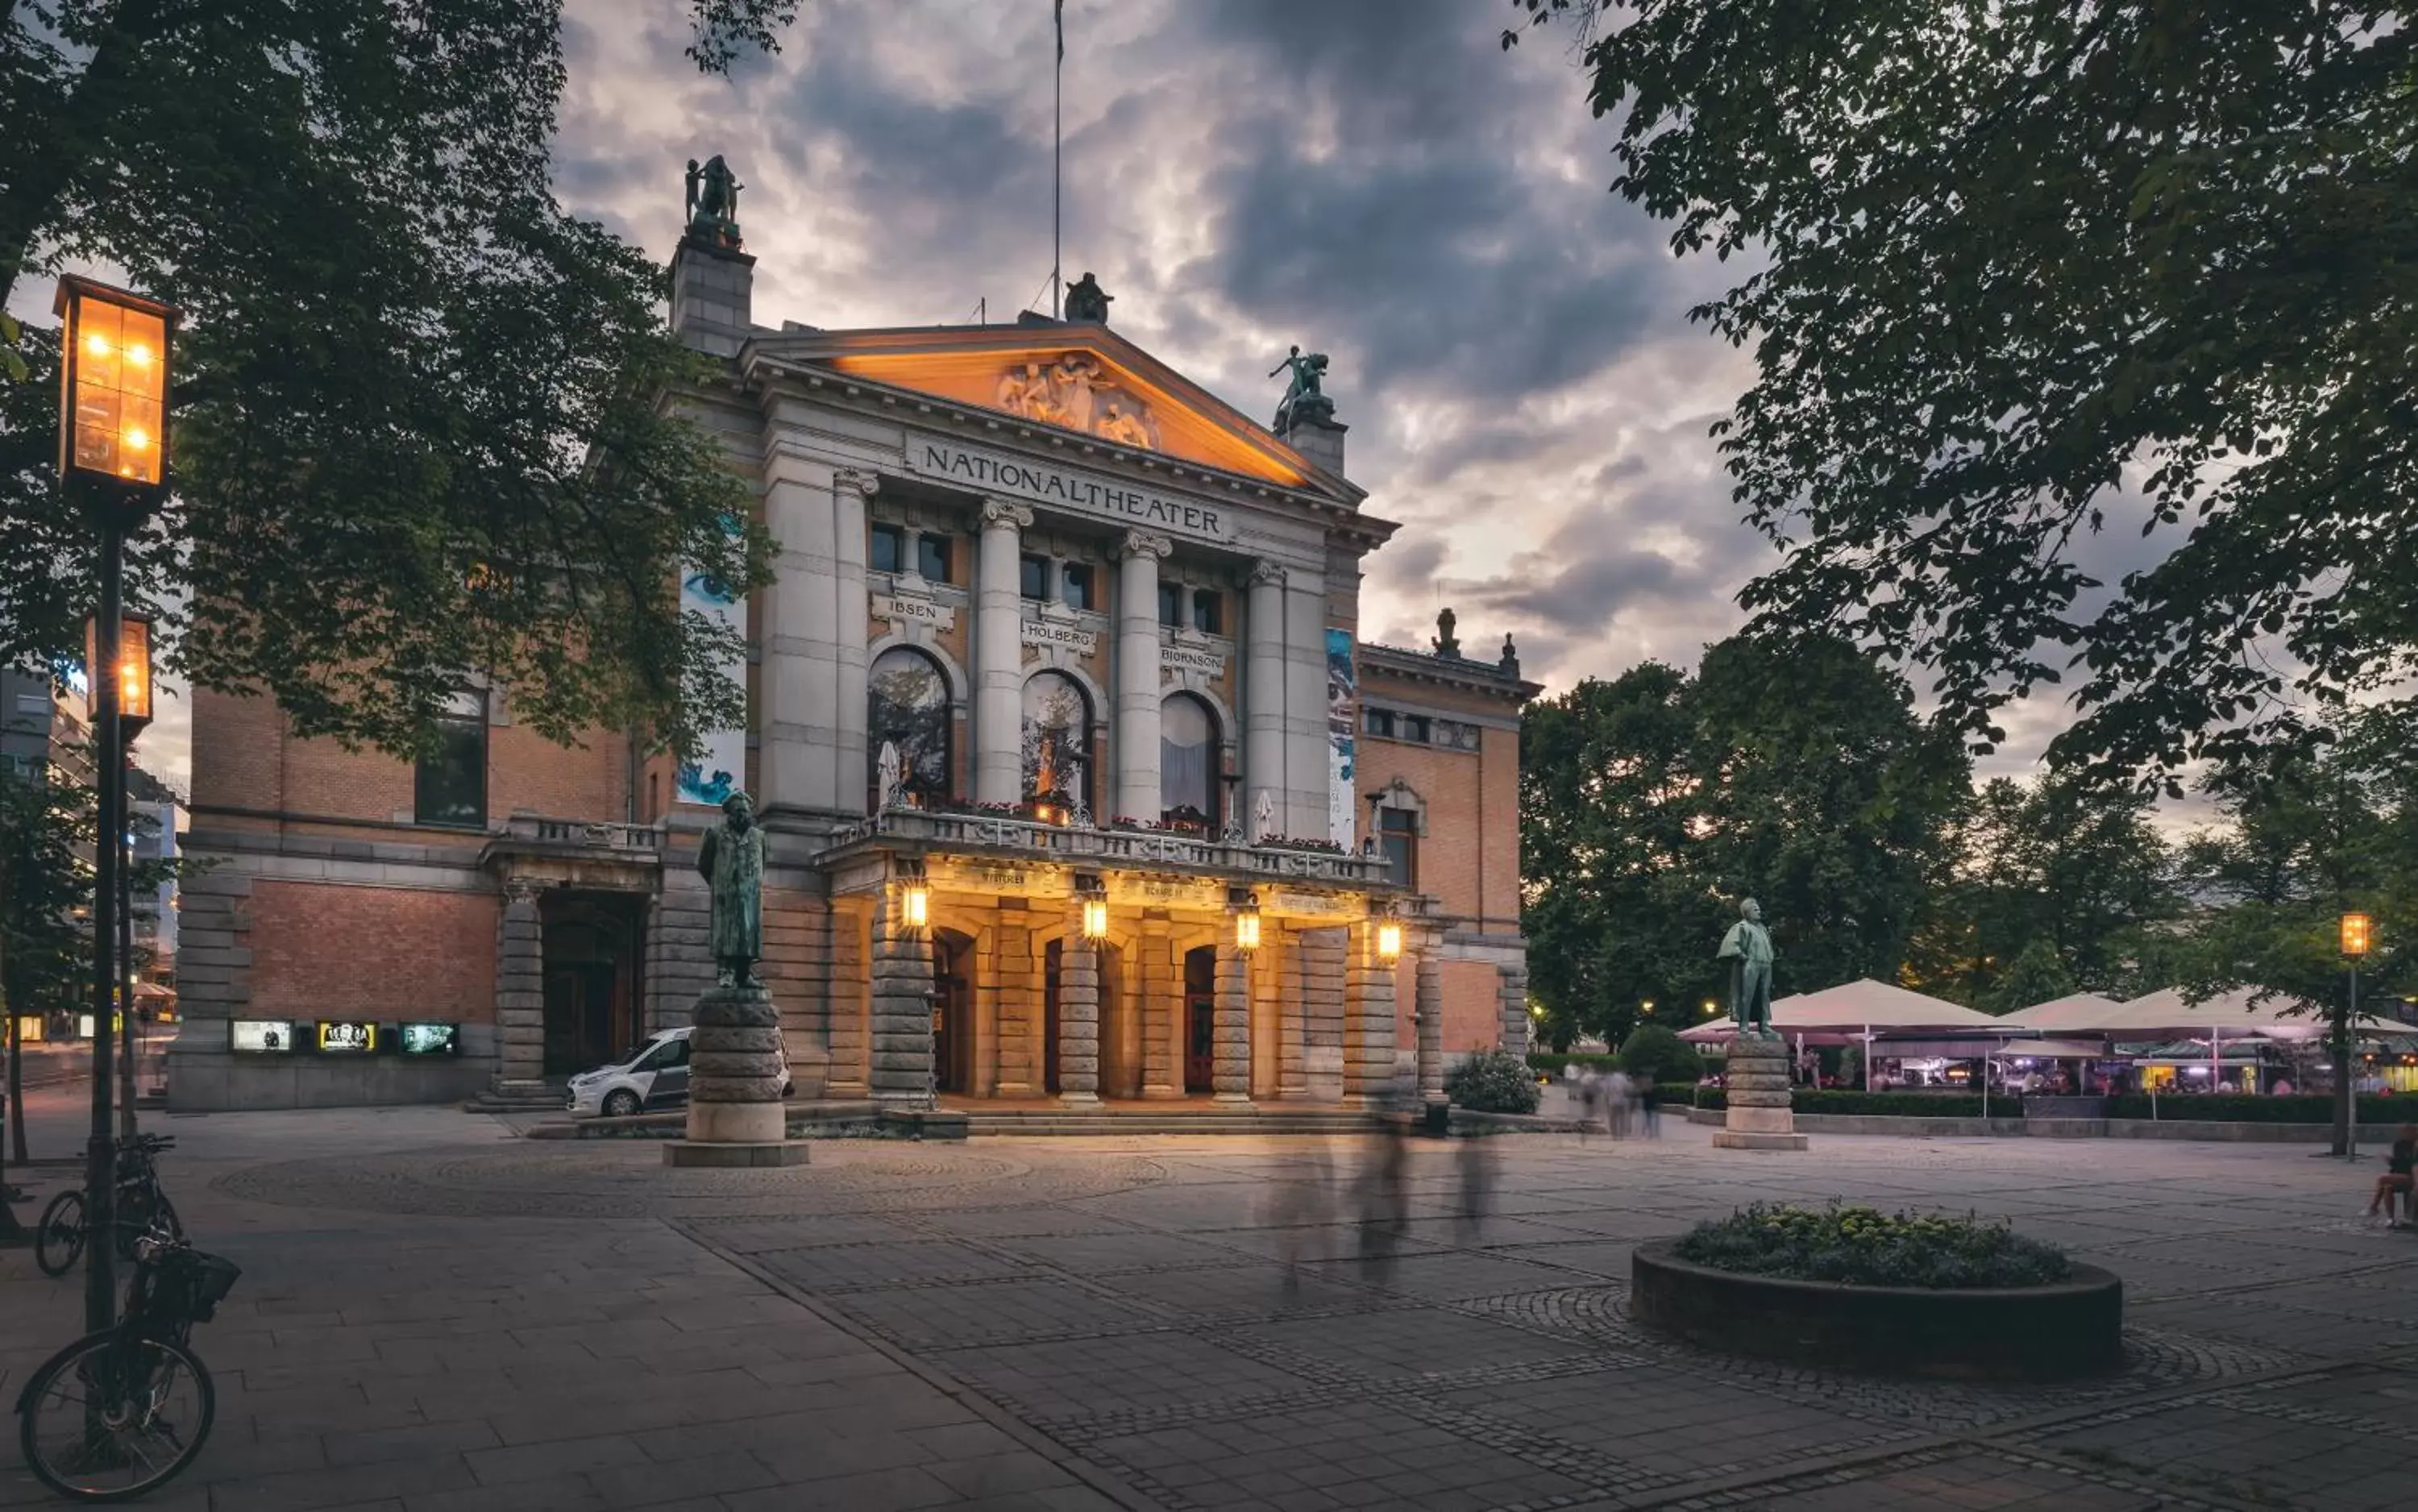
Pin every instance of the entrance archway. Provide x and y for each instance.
(1050, 960)
(590, 944)
(953, 1011)
(1200, 1019)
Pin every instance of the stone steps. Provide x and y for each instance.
(1020, 1121)
(550, 1100)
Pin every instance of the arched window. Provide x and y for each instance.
(1187, 763)
(908, 705)
(1057, 741)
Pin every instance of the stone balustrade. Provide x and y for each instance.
(1075, 843)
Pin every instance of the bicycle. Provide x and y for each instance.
(124, 1411)
(59, 1237)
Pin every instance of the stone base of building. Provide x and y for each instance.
(736, 1156)
(1743, 1140)
(737, 1122)
(219, 1081)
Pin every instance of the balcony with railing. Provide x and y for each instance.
(537, 836)
(1141, 849)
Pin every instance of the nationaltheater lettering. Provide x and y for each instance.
(1050, 486)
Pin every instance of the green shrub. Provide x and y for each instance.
(2213, 1107)
(1493, 1081)
(1657, 1053)
(1882, 1104)
(1680, 1092)
(1552, 1062)
(1864, 1247)
(1712, 1098)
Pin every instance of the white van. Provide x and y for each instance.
(654, 1078)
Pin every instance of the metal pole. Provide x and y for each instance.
(1057, 158)
(125, 967)
(101, 1149)
(2351, 1060)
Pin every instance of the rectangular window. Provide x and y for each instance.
(449, 783)
(1378, 722)
(1171, 604)
(1412, 727)
(1398, 832)
(1033, 577)
(889, 549)
(1207, 611)
(932, 557)
(1076, 579)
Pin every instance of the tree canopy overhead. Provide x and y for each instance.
(418, 419)
(2019, 262)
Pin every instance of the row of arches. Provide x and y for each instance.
(910, 704)
(954, 1009)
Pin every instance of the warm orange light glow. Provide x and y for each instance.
(916, 900)
(1390, 942)
(1095, 917)
(2354, 934)
(133, 671)
(1247, 928)
(114, 385)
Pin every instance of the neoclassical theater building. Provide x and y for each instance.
(1080, 780)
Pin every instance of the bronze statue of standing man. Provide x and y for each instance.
(1747, 949)
(731, 860)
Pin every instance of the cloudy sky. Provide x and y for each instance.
(1376, 179)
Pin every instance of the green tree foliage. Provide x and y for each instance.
(1652, 803)
(1655, 1052)
(417, 414)
(2068, 872)
(2017, 262)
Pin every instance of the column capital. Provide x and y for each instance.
(1007, 512)
(1144, 543)
(865, 484)
(520, 889)
(1267, 573)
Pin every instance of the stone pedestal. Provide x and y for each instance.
(1756, 1089)
(735, 1116)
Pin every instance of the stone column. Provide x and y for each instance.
(998, 654)
(798, 677)
(1429, 1003)
(1078, 1021)
(849, 491)
(520, 988)
(1757, 1093)
(1230, 1073)
(1367, 1018)
(1302, 809)
(901, 1059)
(1512, 982)
(1020, 1000)
(1264, 683)
(1137, 681)
(1162, 994)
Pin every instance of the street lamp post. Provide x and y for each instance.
(2355, 940)
(133, 715)
(115, 352)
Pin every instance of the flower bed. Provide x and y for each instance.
(1865, 1246)
(1854, 1288)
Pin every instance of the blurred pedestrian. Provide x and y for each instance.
(1590, 1102)
(1475, 1155)
(1616, 1094)
(1649, 1108)
(1301, 1196)
(1384, 1183)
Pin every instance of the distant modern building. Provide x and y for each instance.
(26, 721)
(1080, 779)
(155, 808)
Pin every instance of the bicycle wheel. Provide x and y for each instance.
(107, 1417)
(58, 1239)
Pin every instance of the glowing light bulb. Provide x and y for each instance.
(97, 345)
(137, 438)
(139, 355)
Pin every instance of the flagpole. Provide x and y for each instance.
(1057, 155)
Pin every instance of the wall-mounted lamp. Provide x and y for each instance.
(1246, 920)
(1095, 907)
(1389, 940)
(915, 897)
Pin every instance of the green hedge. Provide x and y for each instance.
(2219, 1108)
(1883, 1105)
(1552, 1062)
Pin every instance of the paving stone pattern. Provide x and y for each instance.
(437, 1318)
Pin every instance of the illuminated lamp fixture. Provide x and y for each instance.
(1711, 1007)
(133, 673)
(114, 385)
(1389, 940)
(1095, 907)
(2355, 935)
(1246, 920)
(915, 897)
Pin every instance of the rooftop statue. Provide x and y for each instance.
(731, 860)
(713, 202)
(1303, 397)
(1446, 643)
(1747, 949)
(1087, 302)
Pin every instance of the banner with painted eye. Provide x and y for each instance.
(1343, 731)
(720, 769)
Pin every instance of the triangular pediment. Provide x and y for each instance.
(1081, 378)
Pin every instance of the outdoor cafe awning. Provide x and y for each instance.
(2081, 1011)
(1856, 1007)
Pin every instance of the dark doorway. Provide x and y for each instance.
(1050, 959)
(1200, 1019)
(592, 995)
(953, 1011)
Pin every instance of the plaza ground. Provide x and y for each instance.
(437, 1317)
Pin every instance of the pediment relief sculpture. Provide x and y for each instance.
(1074, 391)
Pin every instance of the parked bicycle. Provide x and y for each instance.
(124, 1411)
(59, 1238)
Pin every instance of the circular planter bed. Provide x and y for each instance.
(2034, 1333)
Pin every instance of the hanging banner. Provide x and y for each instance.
(721, 768)
(1343, 719)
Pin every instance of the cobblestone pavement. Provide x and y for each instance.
(437, 1318)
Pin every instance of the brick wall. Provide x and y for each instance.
(322, 951)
